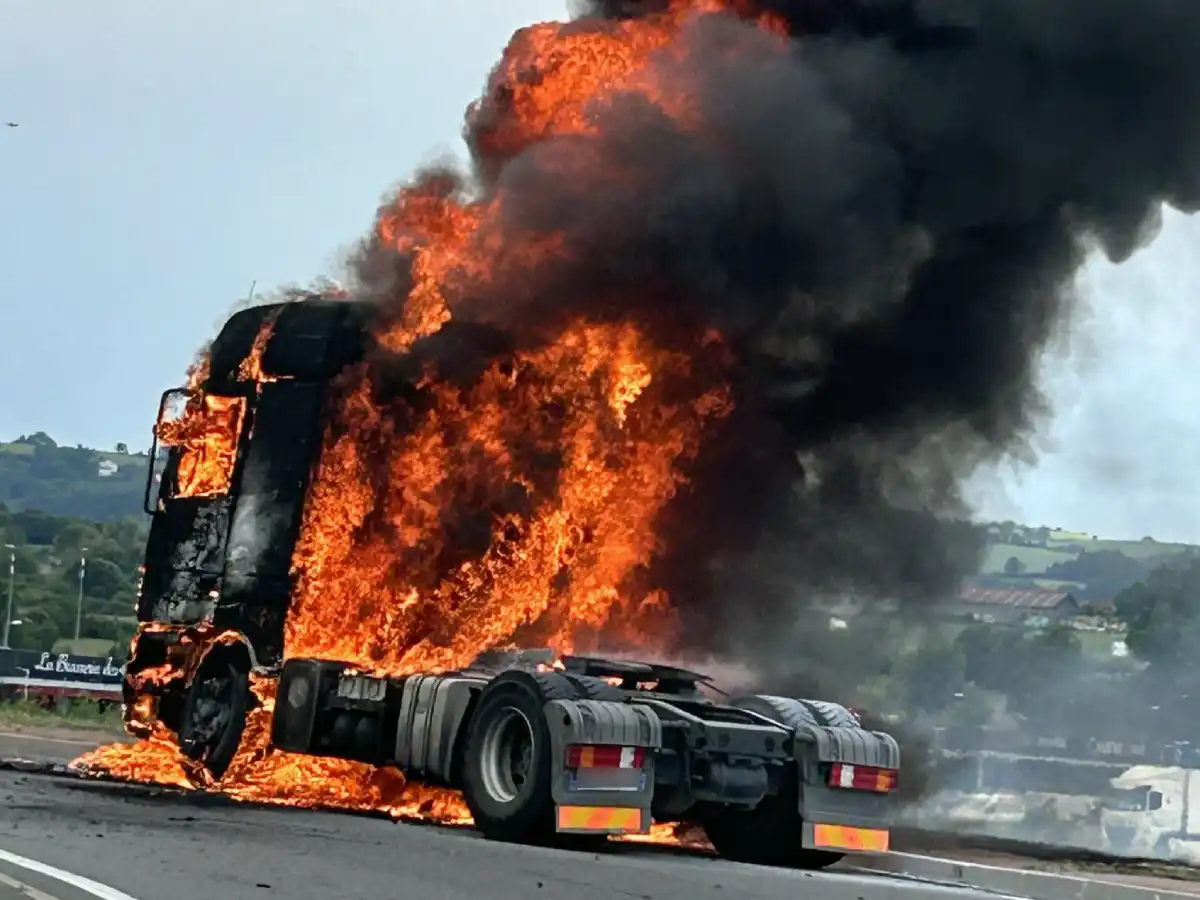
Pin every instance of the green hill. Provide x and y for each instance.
(36, 473)
(46, 553)
(1093, 569)
(1033, 560)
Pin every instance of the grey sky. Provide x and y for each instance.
(170, 154)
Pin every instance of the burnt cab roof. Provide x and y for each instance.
(311, 340)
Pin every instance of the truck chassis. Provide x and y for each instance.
(546, 750)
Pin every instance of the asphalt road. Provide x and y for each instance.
(61, 746)
(155, 844)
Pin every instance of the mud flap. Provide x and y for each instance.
(602, 780)
(855, 746)
(840, 819)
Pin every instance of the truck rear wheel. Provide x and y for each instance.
(771, 833)
(507, 763)
(832, 715)
(214, 711)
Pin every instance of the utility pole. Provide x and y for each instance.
(79, 605)
(12, 570)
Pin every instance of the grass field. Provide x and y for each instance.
(85, 716)
(1098, 644)
(1038, 559)
(1132, 549)
(1035, 559)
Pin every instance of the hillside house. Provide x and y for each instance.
(1013, 605)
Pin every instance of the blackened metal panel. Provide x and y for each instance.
(283, 445)
(185, 554)
(262, 626)
(314, 340)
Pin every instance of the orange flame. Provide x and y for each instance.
(560, 457)
(251, 368)
(262, 775)
(207, 434)
(377, 599)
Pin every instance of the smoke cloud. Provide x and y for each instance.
(885, 221)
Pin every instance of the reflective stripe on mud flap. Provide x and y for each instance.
(846, 837)
(604, 819)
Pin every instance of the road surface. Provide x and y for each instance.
(151, 844)
(50, 744)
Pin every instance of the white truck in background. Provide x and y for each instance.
(1160, 818)
(1147, 811)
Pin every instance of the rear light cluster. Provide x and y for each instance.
(863, 778)
(605, 756)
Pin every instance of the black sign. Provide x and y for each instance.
(44, 666)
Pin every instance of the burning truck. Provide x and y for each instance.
(543, 744)
(722, 317)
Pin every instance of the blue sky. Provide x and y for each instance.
(170, 154)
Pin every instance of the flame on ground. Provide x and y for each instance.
(265, 776)
(569, 447)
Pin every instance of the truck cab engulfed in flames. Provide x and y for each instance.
(540, 746)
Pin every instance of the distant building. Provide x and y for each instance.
(1017, 604)
(107, 468)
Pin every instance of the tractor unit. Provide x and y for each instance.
(544, 748)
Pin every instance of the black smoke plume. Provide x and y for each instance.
(885, 220)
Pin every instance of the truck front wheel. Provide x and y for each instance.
(214, 711)
(507, 763)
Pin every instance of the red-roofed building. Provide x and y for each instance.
(1017, 604)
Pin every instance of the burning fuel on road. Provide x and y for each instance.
(747, 288)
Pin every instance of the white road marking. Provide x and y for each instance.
(26, 890)
(95, 888)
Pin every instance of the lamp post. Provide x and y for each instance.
(12, 569)
(79, 604)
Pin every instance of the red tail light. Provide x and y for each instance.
(863, 778)
(605, 756)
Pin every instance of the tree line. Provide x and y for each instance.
(45, 552)
(1044, 679)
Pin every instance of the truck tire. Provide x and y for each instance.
(589, 687)
(832, 715)
(769, 834)
(784, 710)
(214, 711)
(507, 763)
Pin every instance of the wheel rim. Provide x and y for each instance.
(212, 712)
(507, 755)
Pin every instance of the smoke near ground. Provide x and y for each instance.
(885, 220)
